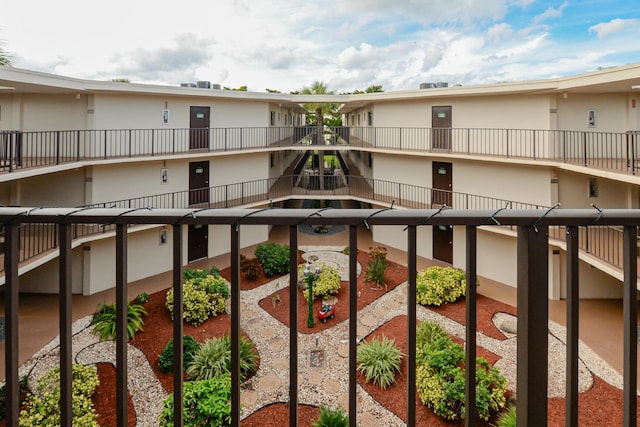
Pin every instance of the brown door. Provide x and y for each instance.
(198, 183)
(441, 127)
(442, 184)
(199, 128)
(443, 243)
(198, 242)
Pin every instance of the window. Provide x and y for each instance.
(273, 118)
(370, 118)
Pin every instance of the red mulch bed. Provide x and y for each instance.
(601, 405)
(104, 399)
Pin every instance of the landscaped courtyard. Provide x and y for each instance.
(323, 351)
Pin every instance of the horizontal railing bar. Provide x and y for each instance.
(275, 216)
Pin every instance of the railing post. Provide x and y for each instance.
(353, 324)
(293, 328)
(573, 303)
(57, 147)
(66, 336)
(11, 301)
(533, 310)
(130, 143)
(178, 338)
(105, 143)
(235, 325)
(470, 298)
(411, 323)
(78, 145)
(121, 325)
(584, 146)
(630, 315)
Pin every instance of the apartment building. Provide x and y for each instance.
(555, 144)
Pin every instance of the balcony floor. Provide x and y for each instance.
(601, 321)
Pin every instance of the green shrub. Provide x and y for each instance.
(438, 285)
(202, 298)
(206, 403)
(507, 419)
(104, 320)
(142, 298)
(426, 335)
(213, 359)
(43, 406)
(379, 361)
(440, 379)
(331, 418)
(189, 347)
(198, 273)
(273, 257)
(328, 282)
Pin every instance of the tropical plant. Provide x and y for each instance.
(5, 58)
(23, 387)
(273, 257)
(43, 406)
(142, 298)
(331, 418)
(189, 347)
(379, 361)
(104, 320)
(206, 403)
(438, 285)
(199, 273)
(213, 358)
(376, 266)
(250, 267)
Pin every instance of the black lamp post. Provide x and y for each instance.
(310, 278)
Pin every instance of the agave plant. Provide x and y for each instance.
(379, 361)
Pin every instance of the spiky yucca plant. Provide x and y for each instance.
(379, 361)
(331, 418)
(213, 359)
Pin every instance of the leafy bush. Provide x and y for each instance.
(379, 361)
(328, 282)
(273, 257)
(198, 273)
(438, 285)
(426, 335)
(376, 265)
(206, 403)
(440, 380)
(43, 406)
(105, 320)
(331, 418)
(507, 419)
(189, 347)
(202, 298)
(142, 298)
(213, 358)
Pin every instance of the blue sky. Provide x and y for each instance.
(287, 44)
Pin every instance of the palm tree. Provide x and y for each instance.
(319, 88)
(5, 59)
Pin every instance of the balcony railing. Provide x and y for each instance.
(532, 295)
(602, 242)
(602, 150)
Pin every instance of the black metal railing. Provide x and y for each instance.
(601, 242)
(532, 295)
(617, 151)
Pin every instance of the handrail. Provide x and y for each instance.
(617, 151)
(602, 242)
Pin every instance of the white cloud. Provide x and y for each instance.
(499, 32)
(612, 27)
(551, 12)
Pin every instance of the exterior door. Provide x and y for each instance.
(198, 183)
(441, 127)
(443, 243)
(442, 184)
(198, 242)
(199, 124)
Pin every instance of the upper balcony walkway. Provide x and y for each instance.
(610, 151)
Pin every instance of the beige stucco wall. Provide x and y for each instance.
(6, 113)
(220, 237)
(44, 279)
(145, 112)
(612, 112)
(573, 192)
(50, 112)
(63, 189)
